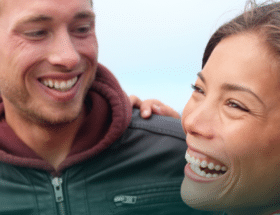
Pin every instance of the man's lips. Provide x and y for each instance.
(60, 85)
(61, 90)
(60, 82)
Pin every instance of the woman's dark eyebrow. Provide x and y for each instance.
(201, 77)
(233, 87)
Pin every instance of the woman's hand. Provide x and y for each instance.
(153, 106)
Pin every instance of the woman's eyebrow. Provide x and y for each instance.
(201, 77)
(234, 87)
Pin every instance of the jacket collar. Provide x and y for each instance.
(109, 116)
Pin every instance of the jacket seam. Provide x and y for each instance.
(33, 187)
(86, 192)
(161, 131)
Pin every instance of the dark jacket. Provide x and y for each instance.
(118, 164)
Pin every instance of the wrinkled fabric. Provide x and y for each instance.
(119, 164)
(109, 116)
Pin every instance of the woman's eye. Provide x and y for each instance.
(237, 105)
(197, 89)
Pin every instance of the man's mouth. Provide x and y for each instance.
(208, 169)
(60, 85)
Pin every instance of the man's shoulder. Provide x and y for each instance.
(161, 125)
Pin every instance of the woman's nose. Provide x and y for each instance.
(199, 119)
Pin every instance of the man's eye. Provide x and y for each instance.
(236, 105)
(197, 89)
(36, 34)
(82, 30)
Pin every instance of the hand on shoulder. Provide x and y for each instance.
(152, 106)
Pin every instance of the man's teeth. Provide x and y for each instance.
(60, 85)
(203, 168)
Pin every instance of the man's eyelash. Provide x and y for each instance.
(38, 33)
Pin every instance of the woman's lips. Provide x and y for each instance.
(204, 166)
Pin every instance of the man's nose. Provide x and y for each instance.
(200, 120)
(63, 51)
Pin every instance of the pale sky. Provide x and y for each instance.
(155, 47)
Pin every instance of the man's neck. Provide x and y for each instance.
(53, 143)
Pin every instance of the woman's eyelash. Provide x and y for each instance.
(237, 106)
(197, 89)
(230, 103)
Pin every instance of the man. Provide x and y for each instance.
(69, 142)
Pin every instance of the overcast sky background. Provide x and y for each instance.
(155, 47)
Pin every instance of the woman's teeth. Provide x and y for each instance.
(205, 169)
(60, 85)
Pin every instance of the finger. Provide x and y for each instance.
(156, 109)
(135, 101)
(146, 113)
(149, 107)
(146, 108)
(165, 110)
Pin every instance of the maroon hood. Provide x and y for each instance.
(109, 116)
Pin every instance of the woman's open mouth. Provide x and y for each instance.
(208, 169)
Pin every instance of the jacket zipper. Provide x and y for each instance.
(122, 200)
(57, 186)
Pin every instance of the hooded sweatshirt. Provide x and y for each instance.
(109, 116)
(118, 163)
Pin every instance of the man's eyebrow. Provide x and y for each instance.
(233, 87)
(85, 15)
(37, 18)
(44, 18)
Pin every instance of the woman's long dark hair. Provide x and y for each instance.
(262, 19)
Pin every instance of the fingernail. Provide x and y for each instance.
(145, 113)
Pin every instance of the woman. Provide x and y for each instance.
(232, 119)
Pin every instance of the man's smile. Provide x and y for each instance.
(60, 85)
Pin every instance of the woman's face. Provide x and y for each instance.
(232, 122)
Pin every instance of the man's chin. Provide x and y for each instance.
(55, 119)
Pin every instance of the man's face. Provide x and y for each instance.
(48, 58)
(232, 123)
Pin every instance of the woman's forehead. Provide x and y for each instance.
(243, 60)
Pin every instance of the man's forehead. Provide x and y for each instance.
(7, 3)
(91, 1)
(2, 2)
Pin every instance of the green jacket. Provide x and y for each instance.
(119, 164)
(141, 173)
